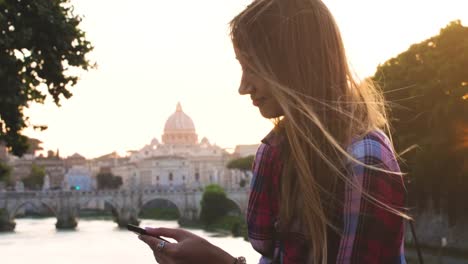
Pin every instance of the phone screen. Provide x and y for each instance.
(137, 229)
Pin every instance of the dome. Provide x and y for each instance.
(179, 129)
(154, 142)
(179, 122)
(205, 141)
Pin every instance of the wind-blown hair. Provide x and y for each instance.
(296, 47)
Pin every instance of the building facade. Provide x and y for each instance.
(74, 160)
(245, 150)
(79, 178)
(180, 160)
(54, 167)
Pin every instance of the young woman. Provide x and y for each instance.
(327, 187)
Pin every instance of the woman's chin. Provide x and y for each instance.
(269, 114)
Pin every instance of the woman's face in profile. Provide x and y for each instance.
(259, 92)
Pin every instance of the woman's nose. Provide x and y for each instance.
(245, 86)
(245, 89)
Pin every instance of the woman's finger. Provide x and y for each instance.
(160, 258)
(150, 241)
(154, 243)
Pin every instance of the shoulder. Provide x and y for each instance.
(375, 148)
(376, 169)
(372, 196)
(266, 155)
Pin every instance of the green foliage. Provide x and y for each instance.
(214, 204)
(427, 87)
(160, 213)
(95, 214)
(40, 42)
(214, 188)
(35, 180)
(108, 181)
(243, 164)
(235, 224)
(5, 172)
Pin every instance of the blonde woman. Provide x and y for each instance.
(327, 187)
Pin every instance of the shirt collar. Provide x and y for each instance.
(274, 138)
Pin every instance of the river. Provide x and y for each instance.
(36, 241)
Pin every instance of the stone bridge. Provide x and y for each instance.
(126, 204)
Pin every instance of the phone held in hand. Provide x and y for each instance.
(142, 231)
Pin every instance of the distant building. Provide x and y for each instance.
(54, 167)
(106, 163)
(21, 168)
(172, 171)
(79, 178)
(180, 159)
(128, 173)
(74, 160)
(245, 150)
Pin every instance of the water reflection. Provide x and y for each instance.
(94, 241)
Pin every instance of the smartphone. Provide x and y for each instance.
(142, 231)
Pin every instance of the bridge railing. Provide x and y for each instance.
(144, 190)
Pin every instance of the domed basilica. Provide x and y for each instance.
(180, 160)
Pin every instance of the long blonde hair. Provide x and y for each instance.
(296, 47)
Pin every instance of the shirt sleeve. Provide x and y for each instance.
(260, 211)
(372, 234)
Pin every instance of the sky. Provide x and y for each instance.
(153, 54)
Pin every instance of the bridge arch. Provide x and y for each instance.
(35, 203)
(240, 197)
(161, 202)
(101, 205)
(235, 206)
(86, 203)
(126, 204)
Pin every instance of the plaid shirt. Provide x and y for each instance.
(370, 234)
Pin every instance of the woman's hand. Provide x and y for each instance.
(189, 248)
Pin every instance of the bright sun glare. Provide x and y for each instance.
(152, 54)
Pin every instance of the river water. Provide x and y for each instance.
(36, 241)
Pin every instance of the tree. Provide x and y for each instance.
(5, 172)
(107, 180)
(40, 42)
(214, 204)
(35, 180)
(427, 87)
(243, 164)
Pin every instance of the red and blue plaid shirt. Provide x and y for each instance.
(370, 234)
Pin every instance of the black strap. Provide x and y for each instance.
(418, 250)
(416, 244)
